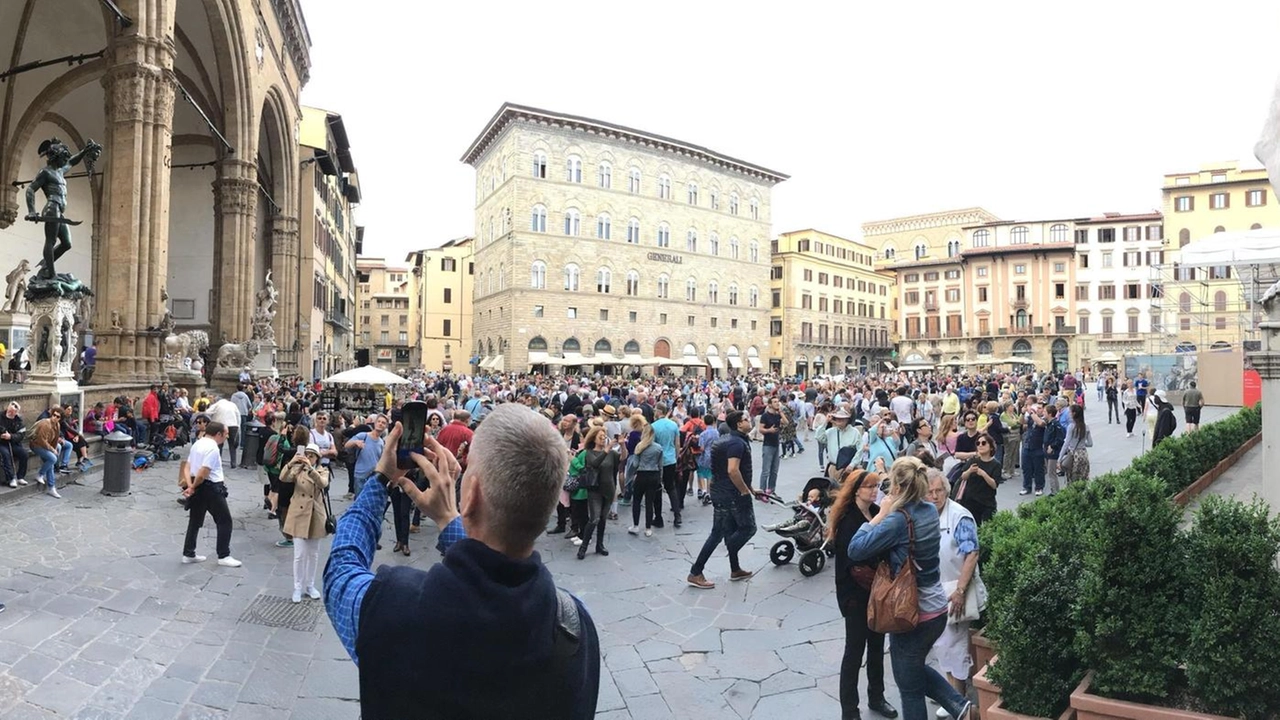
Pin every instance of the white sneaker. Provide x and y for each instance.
(297, 596)
(229, 561)
(634, 529)
(313, 593)
(1128, 434)
(577, 541)
(648, 532)
(53, 492)
(13, 482)
(39, 479)
(21, 482)
(195, 559)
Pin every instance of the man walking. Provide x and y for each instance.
(244, 406)
(1192, 401)
(770, 426)
(368, 447)
(207, 493)
(666, 433)
(225, 412)
(88, 360)
(734, 519)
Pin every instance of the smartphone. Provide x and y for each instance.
(413, 421)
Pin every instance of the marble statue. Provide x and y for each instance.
(182, 351)
(264, 313)
(236, 355)
(15, 287)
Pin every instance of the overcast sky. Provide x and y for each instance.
(876, 110)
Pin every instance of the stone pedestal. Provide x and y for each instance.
(1267, 363)
(53, 346)
(15, 333)
(264, 363)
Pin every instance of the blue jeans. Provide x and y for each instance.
(64, 454)
(734, 524)
(47, 462)
(768, 467)
(1032, 469)
(915, 679)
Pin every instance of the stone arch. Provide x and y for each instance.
(662, 348)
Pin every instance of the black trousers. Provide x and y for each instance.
(669, 481)
(857, 639)
(1130, 416)
(233, 442)
(14, 458)
(210, 498)
(647, 490)
(1113, 405)
(401, 505)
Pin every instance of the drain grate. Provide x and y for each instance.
(281, 612)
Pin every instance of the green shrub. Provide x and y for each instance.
(1180, 460)
(1131, 612)
(1235, 626)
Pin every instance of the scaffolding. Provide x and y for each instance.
(1210, 297)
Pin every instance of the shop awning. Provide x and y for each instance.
(573, 358)
(498, 364)
(916, 367)
(715, 362)
(688, 361)
(889, 365)
(484, 364)
(754, 362)
(637, 361)
(735, 362)
(538, 357)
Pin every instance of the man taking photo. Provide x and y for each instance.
(485, 633)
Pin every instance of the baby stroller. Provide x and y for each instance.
(805, 532)
(170, 433)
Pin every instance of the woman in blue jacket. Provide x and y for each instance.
(888, 533)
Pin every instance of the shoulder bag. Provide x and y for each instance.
(330, 523)
(894, 606)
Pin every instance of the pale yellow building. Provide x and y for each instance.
(1199, 306)
(598, 245)
(831, 308)
(444, 280)
(387, 326)
(330, 189)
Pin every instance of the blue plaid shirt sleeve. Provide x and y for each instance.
(347, 575)
(966, 536)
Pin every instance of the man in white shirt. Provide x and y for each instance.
(903, 407)
(207, 493)
(224, 411)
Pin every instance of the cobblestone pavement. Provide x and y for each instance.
(105, 622)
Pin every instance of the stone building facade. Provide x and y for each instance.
(444, 278)
(196, 103)
(1116, 255)
(330, 240)
(600, 245)
(386, 325)
(832, 312)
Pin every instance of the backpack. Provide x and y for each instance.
(273, 454)
(143, 460)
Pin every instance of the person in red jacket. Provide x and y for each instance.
(150, 413)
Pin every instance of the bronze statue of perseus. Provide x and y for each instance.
(53, 181)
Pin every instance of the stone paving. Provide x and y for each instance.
(105, 622)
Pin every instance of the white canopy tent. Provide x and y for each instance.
(1252, 255)
(366, 375)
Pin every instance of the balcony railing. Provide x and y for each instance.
(930, 306)
(337, 319)
(1022, 303)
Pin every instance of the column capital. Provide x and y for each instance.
(1267, 363)
(235, 195)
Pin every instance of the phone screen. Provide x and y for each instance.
(413, 419)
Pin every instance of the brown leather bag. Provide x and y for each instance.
(894, 606)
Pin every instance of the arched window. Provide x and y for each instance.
(889, 252)
(633, 180)
(693, 193)
(733, 294)
(713, 292)
(691, 240)
(571, 277)
(604, 226)
(1020, 318)
(1022, 349)
(755, 209)
(540, 164)
(604, 278)
(691, 290)
(1220, 301)
(664, 235)
(631, 348)
(1184, 302)
(572, 222)
(755, 251)
(571, 346)
(573, 169)
(633, 283)
(539, 223)
(502, 276)
(715, 244)
(603, 347)
(1058, 233)
(539, 343)
(733, 248)
(538, 275)
(664, 187)
(733, 203)
(1219, 229)
(921, 250)
(1255, 226)
(605, 174)
(953, 248)
(753, 296)
(690, 350)
(664, 286)
(1184, 237)
(1019, 235)
(981, 238)
(984, 347)
(633, 231)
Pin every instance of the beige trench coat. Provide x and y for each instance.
(306, 510)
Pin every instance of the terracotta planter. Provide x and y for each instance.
(1204, 481)
(997, 712)
(980, 648)
(988, 692)
(1096, 707)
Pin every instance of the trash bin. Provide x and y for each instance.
(252, 442)
(118, 466)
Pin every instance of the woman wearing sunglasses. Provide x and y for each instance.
(975, 490)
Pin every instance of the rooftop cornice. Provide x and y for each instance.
(510, 113)
(964, 216)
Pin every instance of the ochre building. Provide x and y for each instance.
(386, 325)
(443, 277)
(598, 245)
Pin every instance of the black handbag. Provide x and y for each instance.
(589, 479)
(330, 523)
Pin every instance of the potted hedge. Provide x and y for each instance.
(1181, 460)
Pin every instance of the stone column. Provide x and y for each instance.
(287, 276)
(235, 195)
(139, 87)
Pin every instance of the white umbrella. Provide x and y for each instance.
(367, 375)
